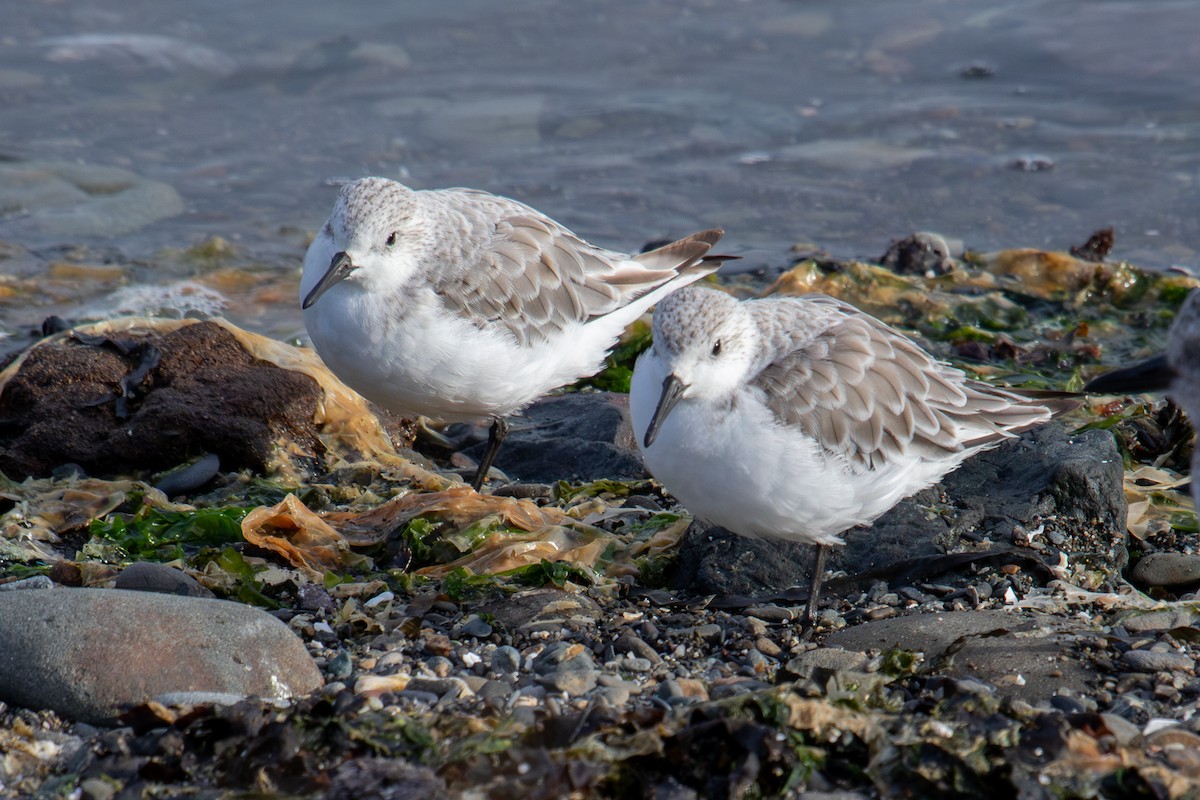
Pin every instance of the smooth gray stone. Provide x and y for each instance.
(89, 654)
(1150, 661)
(1026, 656)
(1167, 569)
(148, 576)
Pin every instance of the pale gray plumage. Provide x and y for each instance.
(867, 391)
(801, 417)
(458, 304)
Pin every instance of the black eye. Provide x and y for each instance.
(717, 348)
(391, 240)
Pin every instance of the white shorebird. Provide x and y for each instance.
(458, 304)
(1177, 372)
(801, 417)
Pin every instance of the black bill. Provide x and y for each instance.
(671, 394)
(339, 268)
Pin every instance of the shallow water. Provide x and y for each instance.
(840, 124)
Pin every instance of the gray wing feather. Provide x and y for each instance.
(865, 390)
(535, 278)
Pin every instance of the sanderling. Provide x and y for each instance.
(458, 304)
(1177, 372)
(801, 417)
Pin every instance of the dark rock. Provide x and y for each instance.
(204, 394)
(1024, 655)
(340, 666)
(147, 576)
(190, 478)
(1072, 484)
(506, 658)
(925, 254)
(474, 626)
(1167, 569)
(574, 437)
(715, 561)
(384, 779)
(1048, 479)
(90, 653)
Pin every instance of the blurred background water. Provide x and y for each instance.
(133, 130)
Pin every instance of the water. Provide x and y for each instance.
(842, 124)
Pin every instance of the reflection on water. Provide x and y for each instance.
(841, 124)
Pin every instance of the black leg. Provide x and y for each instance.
(496, 435)
(814, 594)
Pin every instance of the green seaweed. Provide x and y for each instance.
(158, 535)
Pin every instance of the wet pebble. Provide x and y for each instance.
(628, 642)
(573, 682)
(771, 613)
(340, 666)
(146, 576)
(474, 626)
(439, 666)
(1167, 569)
(506, 659)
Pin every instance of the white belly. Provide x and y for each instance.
(739, 469)
(438, 366)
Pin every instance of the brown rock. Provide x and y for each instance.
(204, 394)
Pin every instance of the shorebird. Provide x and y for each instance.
(801, 417)
(457, 304)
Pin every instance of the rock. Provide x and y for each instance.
(629, 642)
(1048, 480)
(1159, 620)
(476, 627)
(572, 682)
(79, 200)
(97, 789)
(506, 659)
(1025, 656)
(922, 253)
(574, 437)
(563, 657)
(836, 659)
(372, 778)
(201, 392)
(1151, 661)
(541, 609)
(147, 576)
(1167, 569)
(715, 561)
(90, 653)
(1070, 484)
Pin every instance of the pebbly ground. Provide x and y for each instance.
(999, 635)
